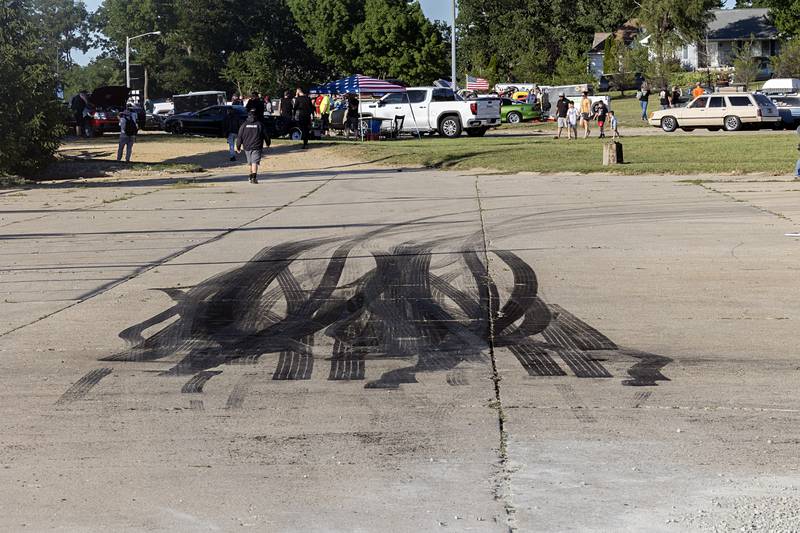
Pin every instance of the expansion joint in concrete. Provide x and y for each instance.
(502, 485)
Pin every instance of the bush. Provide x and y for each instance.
(787, 63)
(31, 118)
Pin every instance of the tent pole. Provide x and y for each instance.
(411, 108)
(360, 117)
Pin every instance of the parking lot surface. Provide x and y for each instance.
(360, 348)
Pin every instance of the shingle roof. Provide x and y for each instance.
(741, 24)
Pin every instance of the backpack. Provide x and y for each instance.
(131, 128)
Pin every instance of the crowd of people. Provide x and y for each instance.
(568, 117)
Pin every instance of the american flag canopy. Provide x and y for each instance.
(477, 84)
(359, 84)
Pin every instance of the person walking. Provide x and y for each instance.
(562, 107)
(614, 125)
(252, 136)
(128, 128)
(256, 104)
(285, 108)
(230, 128)
(77, 105)
(675, 97)
(601, 112)
(643, 95)
(572, 120)
(268, 107)
(324, 113)
(303, 111)
(586, 114)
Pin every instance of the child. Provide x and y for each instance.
(613, 124)
(572, 121)
(601, 111)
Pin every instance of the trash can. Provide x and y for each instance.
(375, 126)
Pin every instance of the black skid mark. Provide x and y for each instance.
(569, 331)
(582, 365)
(647, 371)
(536, 360)
(296, 364)
(82, 387)
(240, 390)
(198, 381)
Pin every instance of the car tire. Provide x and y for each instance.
(477, 132)
(669, 124)
(514, 117)
(450, 127)
(733, 123)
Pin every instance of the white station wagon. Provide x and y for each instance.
(716, 111)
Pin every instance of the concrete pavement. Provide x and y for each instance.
(327, 351)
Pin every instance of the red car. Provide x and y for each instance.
(106, 103)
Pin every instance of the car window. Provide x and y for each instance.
(786, 101)
(395, 98)
(700, 102)
(443, 95)
(763, 100)
(740, 101)
(210, 112)
(507, 101)
(417, 96)
(716, 101)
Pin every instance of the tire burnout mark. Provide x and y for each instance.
(431, 310)
(82, 387)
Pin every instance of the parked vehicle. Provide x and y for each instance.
(717, 111)
(788, 108)
(195, 101)
(515, 112)
(208, 122)
(781, 86)
(106, 103)
(435, 109)
(608, 83)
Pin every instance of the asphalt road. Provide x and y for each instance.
(347, 348)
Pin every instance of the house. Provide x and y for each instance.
(730, 29)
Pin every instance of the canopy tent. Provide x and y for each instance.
(358, 84)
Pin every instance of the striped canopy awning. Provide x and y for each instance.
(359, 84)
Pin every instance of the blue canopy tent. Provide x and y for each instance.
(358, 84)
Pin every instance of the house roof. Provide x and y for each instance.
(741, 24)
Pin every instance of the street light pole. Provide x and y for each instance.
(453, 50)
(128, 54)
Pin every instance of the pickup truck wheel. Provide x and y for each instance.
(514, 118)
(450, 127)
(669, 124)
(733, 123)
(477, 132)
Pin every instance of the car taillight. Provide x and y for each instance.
(473, 107)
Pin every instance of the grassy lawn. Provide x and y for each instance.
(773, 154)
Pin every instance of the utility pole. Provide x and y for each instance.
(453, 50)
(128, 54)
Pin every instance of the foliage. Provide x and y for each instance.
(30, 114)
(63, 26)
(785, 14)
(572, 66)
(99, 72)
(745, 65)
(669, 24)
(787, 63)
(395, 40)
(327, 35)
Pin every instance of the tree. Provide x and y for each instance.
(786, 16)
(395, 40)
(787, 63)
(31, 117)
(745, 65)
(327, 36)
(99, 72)
(669, 24)
(63, 26)
(572, 66)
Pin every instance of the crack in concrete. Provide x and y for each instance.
(150, 266)
(502, 484)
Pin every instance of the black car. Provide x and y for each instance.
(209, 122)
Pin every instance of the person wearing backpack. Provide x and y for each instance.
(128, 128)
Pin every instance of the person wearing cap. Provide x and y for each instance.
(128, 128)
(562, 107)
(251, 137)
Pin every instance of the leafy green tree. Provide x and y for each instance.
(786, 15)
(31, 117)
(395, 40)
(787, 63)
(670, 24)
(745, 65)
(100, 71)
(572, 66)
(63, 26)
(326, 26)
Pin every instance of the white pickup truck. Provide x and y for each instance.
(435, 109)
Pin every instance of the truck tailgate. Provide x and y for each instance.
(488, 108)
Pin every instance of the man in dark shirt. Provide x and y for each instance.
(562, 106)
(303, 111)
(286, 105)
(251, 136)
(256, 104)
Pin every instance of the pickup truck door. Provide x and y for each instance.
(417, 113)
(442, 100)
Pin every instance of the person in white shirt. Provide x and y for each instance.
(128, 128)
